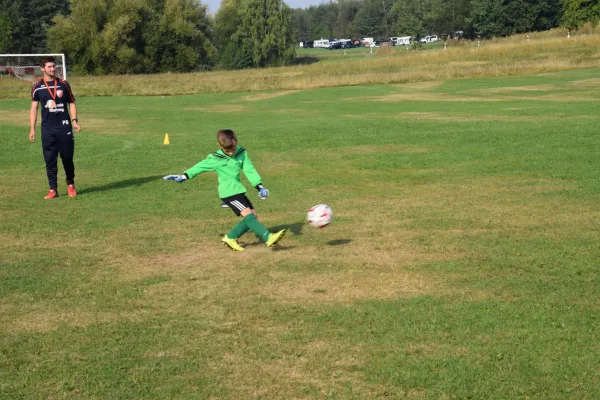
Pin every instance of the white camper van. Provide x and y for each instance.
(401, 40)
(368, 42)
(322, 43)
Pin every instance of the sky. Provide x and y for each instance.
(213, 5)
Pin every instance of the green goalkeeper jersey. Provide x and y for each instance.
(228, 170)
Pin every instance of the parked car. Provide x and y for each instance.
(429, 39)
(356, 42)
(336, 44)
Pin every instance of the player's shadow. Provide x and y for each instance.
(120, 184)
(338, 242)
(295, 228)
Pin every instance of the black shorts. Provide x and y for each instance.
(238, 203)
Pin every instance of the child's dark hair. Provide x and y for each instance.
(227, 139)
(46, 59)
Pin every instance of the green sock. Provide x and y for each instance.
(238, 230)
(257, 227)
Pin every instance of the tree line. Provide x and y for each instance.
(381, 19)
(145, 36)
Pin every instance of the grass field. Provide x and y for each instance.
(462, 262)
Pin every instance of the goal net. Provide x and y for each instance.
(27, 66)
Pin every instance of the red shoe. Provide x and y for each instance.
(51, 194)
(71, 190)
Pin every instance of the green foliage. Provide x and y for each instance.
(416, 17)
(227, 21)
(265, 36)
(323, 20)
(142, 36)
(501, 18)
(579, 12)
(5, 31)
(302, 21)
(134, 36)
(453, 15)
(28, 21)
(486, 16)
(78, 35)
(182, 37)
(372, 19)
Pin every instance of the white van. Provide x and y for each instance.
(368, 41)
(401, 40)
(323, 44)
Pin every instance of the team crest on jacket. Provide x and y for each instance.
(59, 93)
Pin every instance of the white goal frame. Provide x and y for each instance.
(12, 69)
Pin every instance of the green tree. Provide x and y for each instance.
(323, 20)
(348, 11)
(579, 12)
(227, 22)
(134, 36)
(453, 16)
(301, 20)
(121, 49)
(78, 35)
(5, 31)
(416, 17)
(547, 14)
(373, 19)
(180, 37)
(502, 18)
(486, 17)
(29, 22)
(265, 34)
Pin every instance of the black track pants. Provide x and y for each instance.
(53, 144)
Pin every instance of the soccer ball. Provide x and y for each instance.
(320, 216)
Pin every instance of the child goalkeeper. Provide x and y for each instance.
(228, 163)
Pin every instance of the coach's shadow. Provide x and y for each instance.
(121, 184)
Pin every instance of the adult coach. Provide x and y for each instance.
(57, 125)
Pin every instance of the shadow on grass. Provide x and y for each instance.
(305, 60)
(279, 247)
(276, 247)
(120, 184)
(295, 228)
(338, 242)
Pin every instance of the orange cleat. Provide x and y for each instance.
(71, 190)
(51, 194)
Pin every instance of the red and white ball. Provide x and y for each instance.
(320, 216)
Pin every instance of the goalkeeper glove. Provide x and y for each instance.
(263, 193)
(176, 178)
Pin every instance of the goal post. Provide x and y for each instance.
(27, 66)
